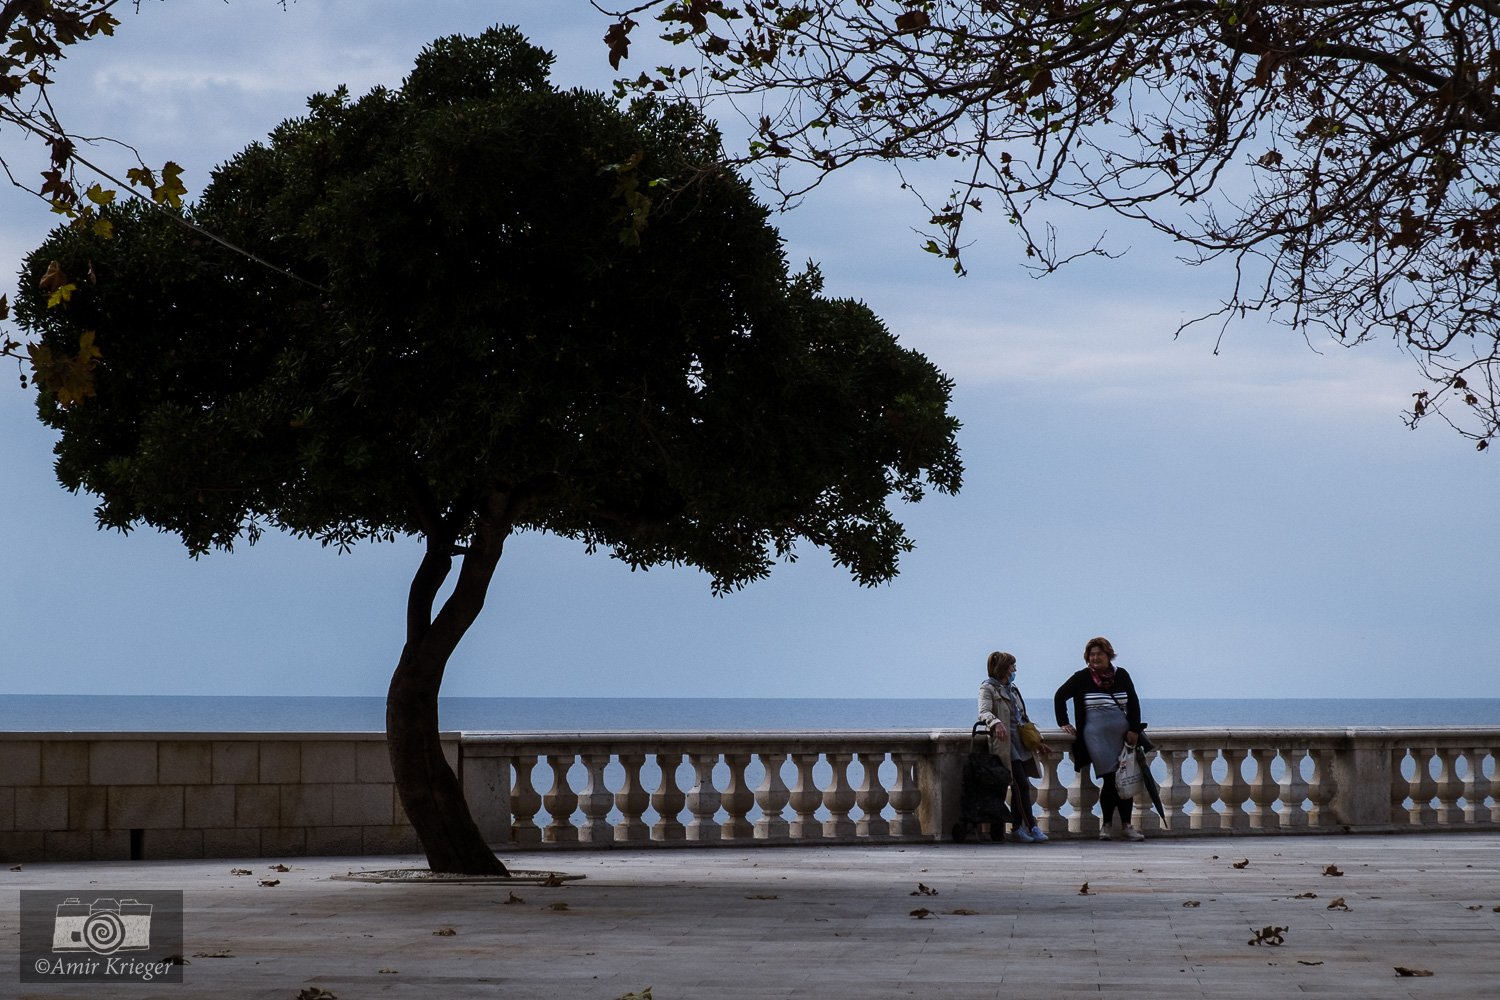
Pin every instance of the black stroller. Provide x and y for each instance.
(985, 785)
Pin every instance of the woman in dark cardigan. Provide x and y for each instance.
(1108, 715)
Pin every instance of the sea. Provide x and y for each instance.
(272, 714)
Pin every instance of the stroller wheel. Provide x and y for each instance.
(960, 833)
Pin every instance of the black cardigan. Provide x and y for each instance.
(1075, 688)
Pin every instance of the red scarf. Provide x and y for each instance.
(1105, 680)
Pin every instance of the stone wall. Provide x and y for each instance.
(123, 796)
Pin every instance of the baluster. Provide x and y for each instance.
(737, 799)
(872, 799)
(1204, 791)
(1172, 788)
(806, 797)
(1263, 792)
(1401, 788)
(561, 801)
(1322, 787)
(1293, 790)
(524, 803)
(596, 801)
(905, 797)
(1051, 796)
(668, 801)
(1477, 788)
(1449, 788)
(703, 800)
(632, 801)
(1423, 789)
(1083, 796)
(771, 797)
(1234, 791)
(839, 798)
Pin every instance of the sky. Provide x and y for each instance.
(1256, 522)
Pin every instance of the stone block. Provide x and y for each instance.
(209, 806)
(389, 840)
(159, 807)
(88, 807)
(231, 843)
(122, 762)
(283, 842)
(236, 763)
(110, 845)
(21, 762)
(307, 805)
(41, 808)
(281, 762)
(181, 762)
(160, 844)
(257, 806)
(335, 841)
(22, 845)
(68, 845)
(328, 762)
(364, 805)
(65, 763)
(373, 763)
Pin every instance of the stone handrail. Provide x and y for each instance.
(701, 788)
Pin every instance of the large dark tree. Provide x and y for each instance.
(1340, 156)
(486, 306)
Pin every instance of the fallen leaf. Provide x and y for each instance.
(268, 882)
(964, 913)
(280, 868)
(387, 972)
(1332, 871)
(1474, 907)
(1402, 970)
(921, 913)
(924, 890)
(240, 871)
(1303, 961)
(644, 994)
(1083, 890)
(551, 881)
(219, 953)
(175, 960)
(1269, 935)
(1339, 904)
(763, 897)
(558, 906)
(15, 868)
(512, 899)
(316, 993)
(1192, 903)
(1242, 863)
(1496, 909)
(444, 932)
(1306, 895)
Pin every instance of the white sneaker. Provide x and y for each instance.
(1133, 835)
(1104, 834)
(1022, 836)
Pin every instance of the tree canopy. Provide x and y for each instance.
(1338, 155)
(492, 306)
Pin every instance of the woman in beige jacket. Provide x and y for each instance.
(1002, 709)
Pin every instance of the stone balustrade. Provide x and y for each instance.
(664, 789)
(109, 796)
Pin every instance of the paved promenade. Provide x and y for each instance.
(1164, 919)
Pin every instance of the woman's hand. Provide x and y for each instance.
(1068, 728)
(998, 730)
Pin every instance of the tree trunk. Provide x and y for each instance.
(430, 792)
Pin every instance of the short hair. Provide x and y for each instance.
(1103, 644)
(999, 664)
